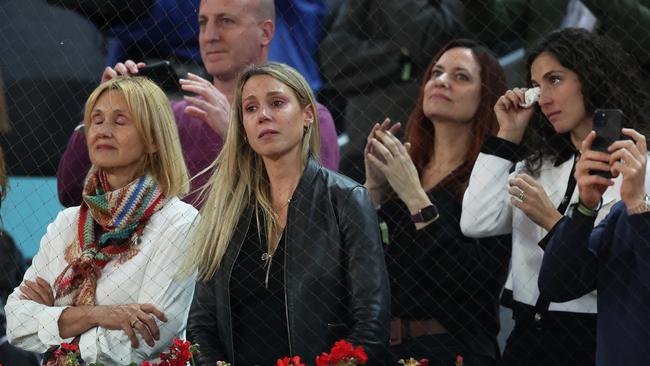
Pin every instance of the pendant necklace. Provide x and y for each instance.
(267, 257)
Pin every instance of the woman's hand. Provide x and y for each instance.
(629, 157)
(591, 186)
(38, 291)
(530, 197)
(391, 158)
(129, 318)
(513, 119)
(376, 182)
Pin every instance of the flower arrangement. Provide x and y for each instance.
(179, 354)
(66, 355)
(342, 353)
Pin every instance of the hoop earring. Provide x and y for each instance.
(245, 139)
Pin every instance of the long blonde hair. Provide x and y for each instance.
(156, 125)
(239, 178)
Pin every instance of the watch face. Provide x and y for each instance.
(426, 214)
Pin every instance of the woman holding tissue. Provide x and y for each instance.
(107, 274)
(576, 73)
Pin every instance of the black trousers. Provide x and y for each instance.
(554, 339)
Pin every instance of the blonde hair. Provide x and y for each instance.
(156, 126)
(239, 178)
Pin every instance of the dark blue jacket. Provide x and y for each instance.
(614, 259)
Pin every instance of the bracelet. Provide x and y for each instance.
(591, 212)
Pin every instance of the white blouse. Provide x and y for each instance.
(487, 211)
(151, 276)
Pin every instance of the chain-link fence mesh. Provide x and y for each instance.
(364, 61)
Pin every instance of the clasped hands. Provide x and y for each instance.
(127, 317)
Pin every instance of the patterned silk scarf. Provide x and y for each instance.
(110, 224)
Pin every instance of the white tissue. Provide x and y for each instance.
(530, 96)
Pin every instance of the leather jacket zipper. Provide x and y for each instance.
(286, 297)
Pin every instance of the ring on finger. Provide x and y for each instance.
(521, 196)
(134, 322)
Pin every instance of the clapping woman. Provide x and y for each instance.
(107, 274)
(288, 252)
(444, 286)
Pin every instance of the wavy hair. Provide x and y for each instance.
(420, 131)
(609, 78)
(239, 179)
(156, 126)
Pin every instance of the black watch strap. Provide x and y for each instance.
(426, 214)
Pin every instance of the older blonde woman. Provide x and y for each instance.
(289, 251)
(106, 275)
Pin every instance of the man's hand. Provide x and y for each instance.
(212, 107)
(127, 68)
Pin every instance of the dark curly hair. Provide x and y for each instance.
(610, 78)
(420, 131)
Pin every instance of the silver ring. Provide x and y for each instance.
(521, 196)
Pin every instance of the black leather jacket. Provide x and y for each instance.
(336, 284)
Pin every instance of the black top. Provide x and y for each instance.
(439, 273)
(259, 318)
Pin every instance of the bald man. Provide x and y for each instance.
(232, 35)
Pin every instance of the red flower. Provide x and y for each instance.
(459, 360)
(323, 359)
(286, 361)
(70, 347)
(342, 353)
(146, 363)
(424, 362)
(182, 350)
(360, 355)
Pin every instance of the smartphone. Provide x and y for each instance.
(607, 124)
(163, 74)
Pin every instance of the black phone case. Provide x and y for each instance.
(607, 124)
(163, 74)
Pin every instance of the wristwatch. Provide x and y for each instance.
(642, 207)
(429, 213)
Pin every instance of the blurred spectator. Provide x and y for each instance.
(445, 286)
(614, 257)
(50, 59)
(145, 29)
(233, 34)
(299, 29)
(11, 263)
(494, 21)
(373, 55)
